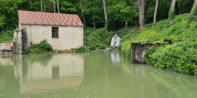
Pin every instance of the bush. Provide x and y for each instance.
(43, 46)
(81, 49)
(179, 57)
(97, 39)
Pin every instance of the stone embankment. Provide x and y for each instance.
(5, 47)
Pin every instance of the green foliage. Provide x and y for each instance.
(179, 57)
(97, 39)
(81, 49)
(181, 29)
(6, 36)
(68, 7)
(42, 47)
(120, 11)
(127, 35)
(193, 15)
(2, 21)
(147, 35)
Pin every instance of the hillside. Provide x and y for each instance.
(180, 30)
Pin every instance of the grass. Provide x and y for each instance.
(180, 30)
(6, 36)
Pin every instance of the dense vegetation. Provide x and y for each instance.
(42, 47)
(180, 30)
(179, 57)
(121, 13)
(177, 22)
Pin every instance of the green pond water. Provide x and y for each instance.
(89, 75)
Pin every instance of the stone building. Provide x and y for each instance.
(62, 31)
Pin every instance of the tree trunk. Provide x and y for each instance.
(94, 23)
(126, 23)
(155, 13)
(172, 12)
(194, 6)
(58, 6)
(193, 12)
(126, 20)
(141, 6)
(44, 5)
(41, 5)
(54, 7)
(81, 7)
(105, 13)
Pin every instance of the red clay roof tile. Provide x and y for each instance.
(45, 18)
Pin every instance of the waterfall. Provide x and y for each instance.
(115, 42)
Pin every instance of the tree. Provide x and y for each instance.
(58, 6)
(193, 11)
(105, 13)
(155, 13)
(171, 14)
(121, 12)
(141, 6)
(41, 5)
(81, 7)
(2, 21)
(54, 6)
(94, 13)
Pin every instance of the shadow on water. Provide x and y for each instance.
(88, 75)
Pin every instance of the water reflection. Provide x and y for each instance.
(115, 58)
(6, 60)
(41, 73)
(90, 75)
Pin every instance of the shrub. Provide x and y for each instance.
(43, 46)
(97, 39)
(81, 49)
(179, 57)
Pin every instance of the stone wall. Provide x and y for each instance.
(138, 51)
(19, 41)
(5, 47)
(69, 37)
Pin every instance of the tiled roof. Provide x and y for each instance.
(44, 18)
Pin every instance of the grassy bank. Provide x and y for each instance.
(180, 56)
(96, 39)
(180, 30)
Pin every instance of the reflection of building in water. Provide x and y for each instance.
(115, 57)
(59, 71)
(5, 60)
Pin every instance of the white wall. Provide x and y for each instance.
(69, 37)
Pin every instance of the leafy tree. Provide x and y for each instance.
(94, 13)
(68, 7)
(122, 13)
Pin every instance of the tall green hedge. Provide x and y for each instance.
(180, 57)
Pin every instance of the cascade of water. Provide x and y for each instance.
(115, 42)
